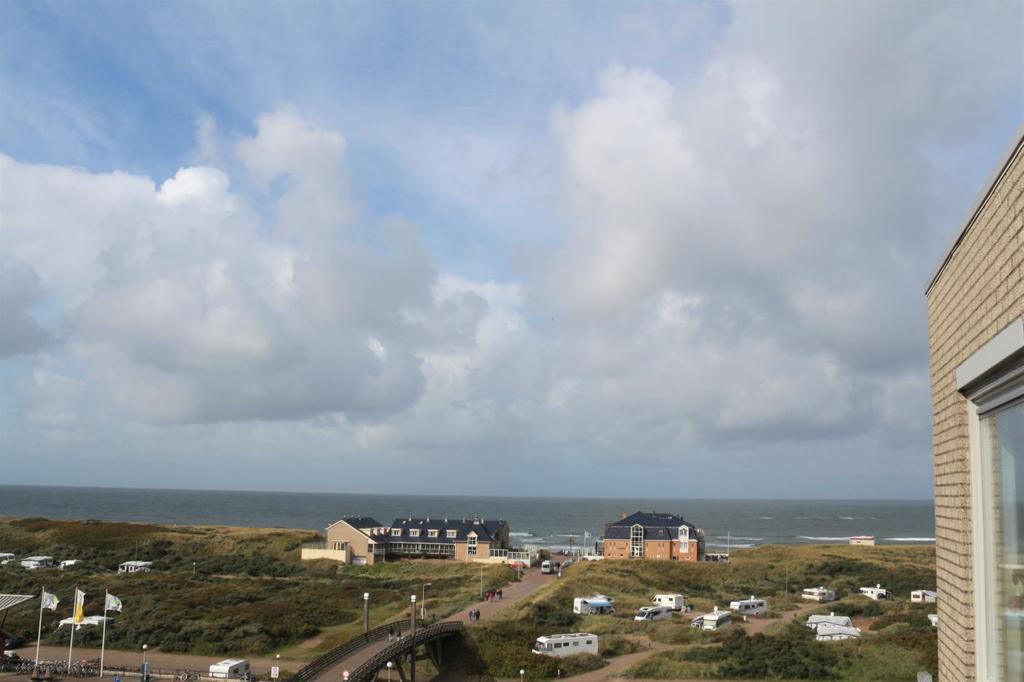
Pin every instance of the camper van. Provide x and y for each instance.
(676, 602)
(819, 594)
(649, 613)
(598, 604)
(230, 669)
(571, 644)
(715, 620)
(135, 567)
(6, 558)
(547, 567)
(878, 593)
(749, 607)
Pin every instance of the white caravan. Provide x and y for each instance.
(6, 558)
(749, 607)
(832, 619)
(135, 567)
(34, 562)
(878, 593)
(819, 594)
(547, 567)
(650, 613)
(832, 633)
(598, 604)
(676, 602)
(715, 620)
(924, 596)
(570, 644)
(230, 669)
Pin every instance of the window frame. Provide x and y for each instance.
(992, 380)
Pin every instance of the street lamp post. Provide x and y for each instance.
(193, 570)
(390, 665)
(412, 650)
(522, 673)
(145, 672)
(481, 581)
(366, 612)
(423, 601)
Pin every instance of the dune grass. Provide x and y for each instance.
(251, 594)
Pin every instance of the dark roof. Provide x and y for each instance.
(361, 522)
(486, 530)
(657, 526)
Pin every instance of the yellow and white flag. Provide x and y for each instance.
(113, 603)
(79, 612)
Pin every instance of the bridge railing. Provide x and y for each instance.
(319, 665)
(366, 671)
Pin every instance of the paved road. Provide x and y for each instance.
(156, 659)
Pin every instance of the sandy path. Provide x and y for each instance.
(512, 593)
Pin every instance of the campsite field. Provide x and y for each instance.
(898, 640)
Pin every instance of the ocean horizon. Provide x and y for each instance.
(534, 521)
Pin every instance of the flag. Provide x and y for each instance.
(113, 603)
(50, 601)
(79, 612)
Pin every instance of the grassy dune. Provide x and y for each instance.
(901, 640)
(250, 595)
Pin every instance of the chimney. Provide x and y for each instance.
(623, 515)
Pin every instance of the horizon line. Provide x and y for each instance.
(478, 496)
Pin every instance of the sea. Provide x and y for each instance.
(552, 523)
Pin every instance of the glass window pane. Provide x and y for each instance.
(1003, 442)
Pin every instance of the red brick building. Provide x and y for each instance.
(653, 535)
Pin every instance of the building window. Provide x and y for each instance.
(636, 540)
(432, 533)
(471, 545)
(414, 532)
(1002, 451)
(993, 381)
(396, 532)
(451, 534)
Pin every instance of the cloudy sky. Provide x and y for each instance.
(668, 249)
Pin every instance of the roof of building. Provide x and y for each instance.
(830, 630)
(361, 522)
(1015, 147)
(657, 526)
(486, 530)
(9, 600)
(832, 619)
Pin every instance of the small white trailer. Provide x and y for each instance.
(230, 669)
(814, 621)
(6, 558)
(715, 620)
(564, 645)
(924, 596)
(878, 593)
(598, 604)
(652, 613)
(826, 632)
(749, 607)
(135, 567)
(676, 602)
(34, 562)
(819, 594)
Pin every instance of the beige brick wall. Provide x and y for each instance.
(979, 291)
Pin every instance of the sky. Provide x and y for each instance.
(584, 249)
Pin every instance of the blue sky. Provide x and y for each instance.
(317, 241)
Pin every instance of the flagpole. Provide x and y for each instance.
(39, 633)
(103, 646)
(74, 605)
